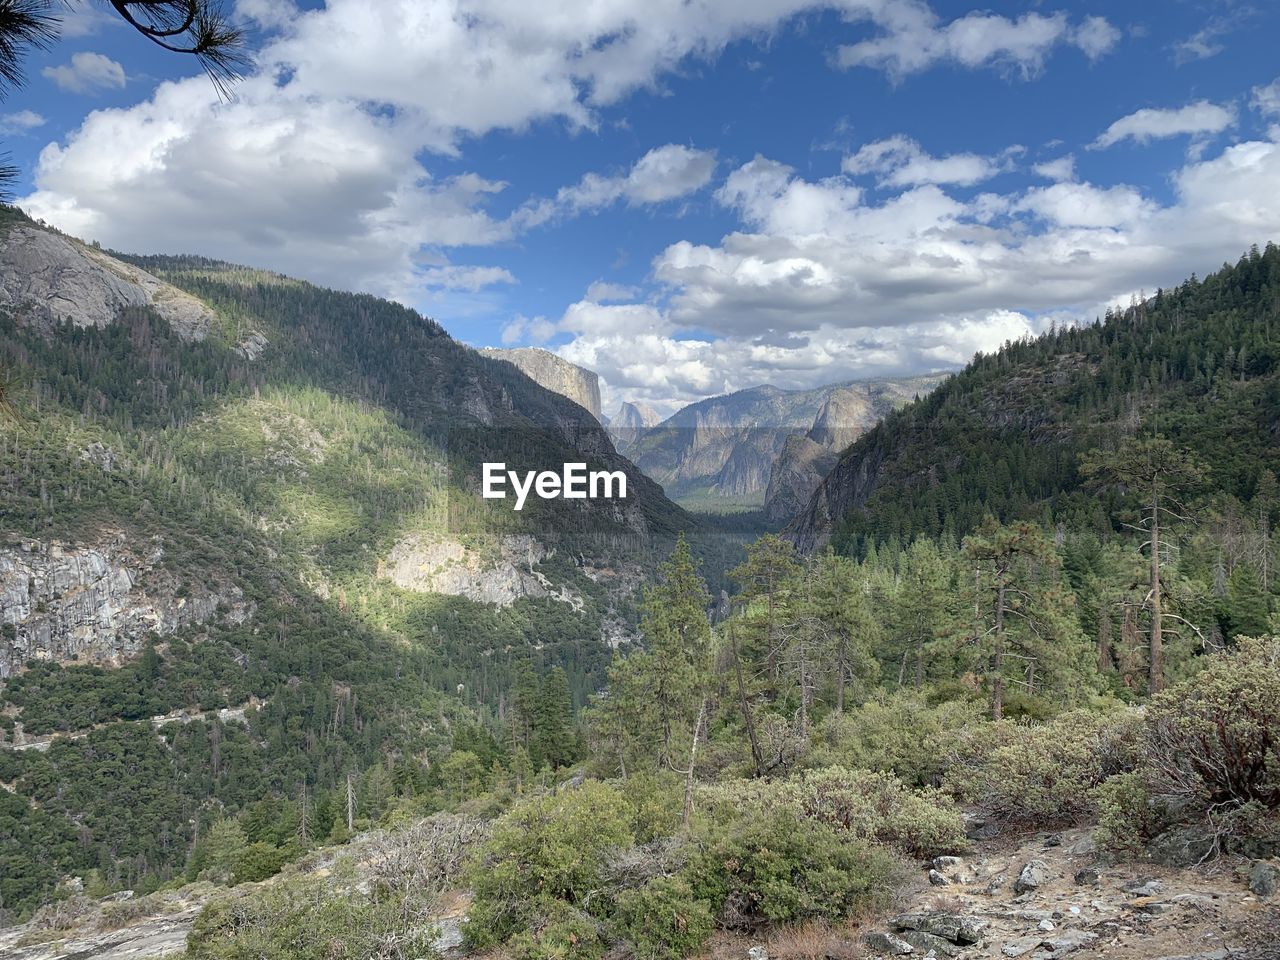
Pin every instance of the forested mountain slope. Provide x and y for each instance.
(1199, 364)
(222, 488)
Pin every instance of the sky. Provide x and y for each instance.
(687, 196)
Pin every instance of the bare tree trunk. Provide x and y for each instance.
(748, 721)
(688, 778)
(997, 658)
(1156, 659)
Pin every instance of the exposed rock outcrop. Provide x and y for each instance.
(507, 573)
(47, 278)
(97, 602)
(544, 368)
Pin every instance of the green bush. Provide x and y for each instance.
(900, 732)
(1044, 774)
(309, 919)
(663, 920)
(550, 849)
(1127, 817)
(1213, 744)
(875, 807)
(559, 931)
(777, 869)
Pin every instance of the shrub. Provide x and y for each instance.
(549, 849)
(875, 807)
(1213, 744)
(558, 932)
(900, 732)
(777, 869)
(308, 919)
(663, 920)
(1045, 774)
(1127, 817)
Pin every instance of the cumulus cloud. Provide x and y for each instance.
(1197, 119)
(664, 173)
(87, 73)
(1060, 168)
(914, 38)
(322, 165)
(899, 162)
(822, 283)
(24, 121)
(318, 189)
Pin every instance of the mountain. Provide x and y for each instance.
(222, 489)
(723, 449)
(630, 422)
(1199, 363)
(543, 367)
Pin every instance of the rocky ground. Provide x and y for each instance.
(1051, 896)
(1038, 898)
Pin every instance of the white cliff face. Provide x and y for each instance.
(97, 603)
(429, 565)
(544, 368)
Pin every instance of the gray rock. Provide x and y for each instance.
(1087, 877)
(1264, 879)
(998, 883)
(1146, 887)
(888, 944)
(926, 943)
(1034, 875)
(1020, 947)
(950, 926)
(47, 278)
(1046, 925)
(758, 952)
(1181, 847)
(556, 374)
(1068, 941)
(938, 880)
(947, 863)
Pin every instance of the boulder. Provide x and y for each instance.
(949, 926)
(887, 944)
(926, 943)
(1034, 875)
(1264, 879)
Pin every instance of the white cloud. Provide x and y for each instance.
(603, 292)
(472, 279)
(664, 173)
(899, 162)
(821, 284)
(24, 121)
(317, 189)
(87, 73)
(321, 167)
(522, 329)
(1198, 119)
(914, 39)
(1266, 100)
(1061, 168)
(1095, 37)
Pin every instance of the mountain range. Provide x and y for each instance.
(764, 446)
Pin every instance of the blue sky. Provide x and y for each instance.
(688, 198)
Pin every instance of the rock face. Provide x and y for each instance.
(46, 278)
(847, 413)
(544, 368)
(501, 576)
(97, 602)
(741, 445)
(631, 422)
